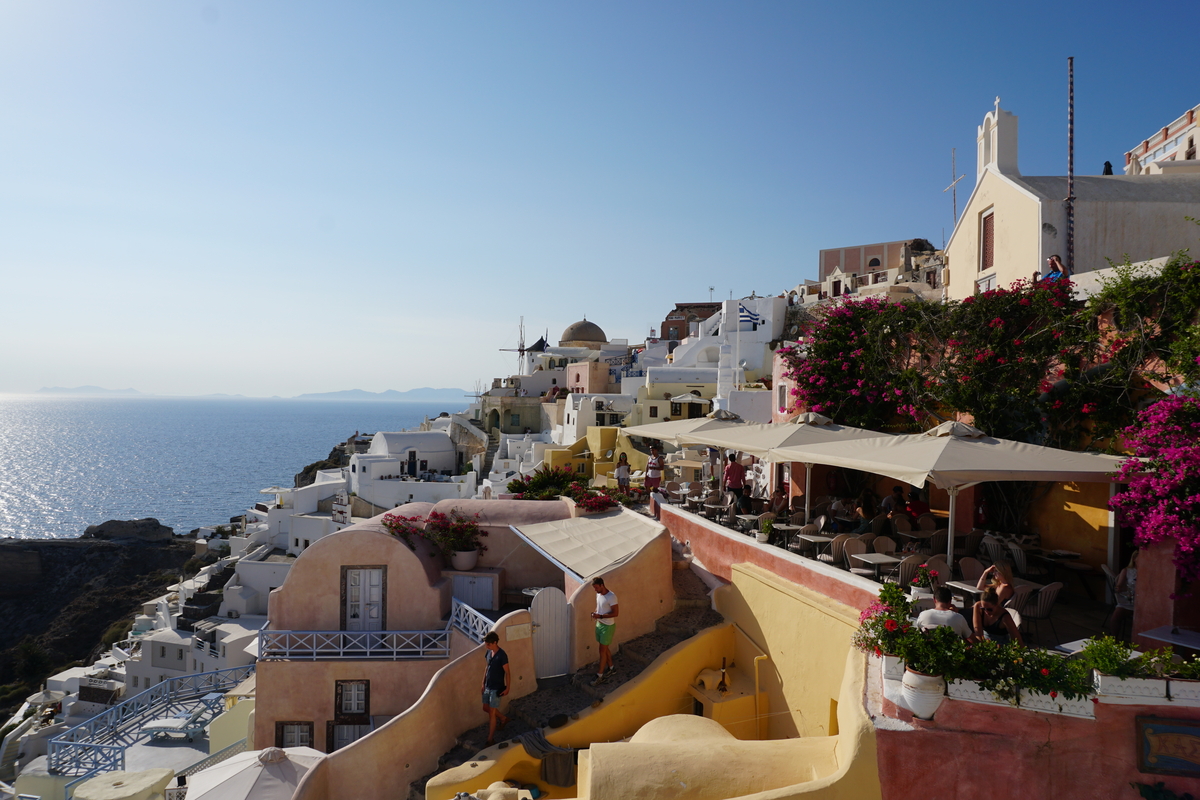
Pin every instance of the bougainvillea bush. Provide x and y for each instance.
(1162, 500)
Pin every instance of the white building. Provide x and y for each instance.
(408, 466)
(1168, 149)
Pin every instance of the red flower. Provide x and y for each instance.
(890, 624)
(1045, 671)
(1053, 694)
(878, 652)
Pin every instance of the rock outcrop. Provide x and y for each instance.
(142, 530)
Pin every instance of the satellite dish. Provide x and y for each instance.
(743, 363)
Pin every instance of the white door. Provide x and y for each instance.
(551, 633)
(475, 590)
(364, 599)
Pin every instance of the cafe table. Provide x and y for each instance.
(746, 521)
(876, 560)
(787, 529)
(968, 591)
(818, 542)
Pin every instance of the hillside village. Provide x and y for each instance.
(339, 644)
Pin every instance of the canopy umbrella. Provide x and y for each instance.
(761, 440)
(270, 774)
(681, 431)
(955, 456)
(45, 698)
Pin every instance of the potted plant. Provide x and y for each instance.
(455, 535)
(929, 656)
(881, 626)
(764, 533)
(924, 581)
(1119, 673)
(1050, 682)
(1183, 681)
(984, 677)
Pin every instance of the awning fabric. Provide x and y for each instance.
(588, 546)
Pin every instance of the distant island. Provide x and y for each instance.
(86, 390)
(422, 395)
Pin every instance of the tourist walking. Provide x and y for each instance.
(495, 684)
(654, 470)
(606, 627)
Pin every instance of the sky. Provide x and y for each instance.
(275, 198)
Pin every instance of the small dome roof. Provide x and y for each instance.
(583, 331)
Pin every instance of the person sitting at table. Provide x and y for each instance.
(992, 621)
(916, 506)
(894, 501)
(945, 614)
(864, 513)
(1126, 588)
(998, 577)
(779, 503)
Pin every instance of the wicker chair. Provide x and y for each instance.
(878, 524)
(884, 544)
(901, 524)
(927, 522)
(936, 544)
(1025, 568)
(971, 569)
(855, 547)
(1020, 598)
(1043, 605)
(904, 571)
(992, 550)
(834, 556)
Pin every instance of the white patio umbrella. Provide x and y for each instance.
(45, 697)
(681, 431)
(761, 440)
(955, 456)
(270, 774)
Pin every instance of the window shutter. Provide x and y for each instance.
(987, 254)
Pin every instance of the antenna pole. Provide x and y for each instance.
(1071, 165)
(954, 179)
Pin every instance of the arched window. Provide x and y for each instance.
(873, 263)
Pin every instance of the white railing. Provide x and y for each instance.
(391, 645)
(469, 621)
(85, 748)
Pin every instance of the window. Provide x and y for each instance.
(986, 283)
(676, 409)
(162, 651)
(354, 467)
(179, 655)
(873, 263)
(515, 420)
(222, 651)
(782, 397)
(345, 734)
(353, 697)
(987, 242)
(293, 734)
(135, 681)
(653, 411)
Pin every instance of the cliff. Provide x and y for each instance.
(59, 596)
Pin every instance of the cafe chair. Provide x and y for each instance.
(971, 569)
(834, 556)
(1025, 568)
(1042, 604)
(854, 548)
(884, 544)
(927, 522)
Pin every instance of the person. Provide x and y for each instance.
(1126, 589)
(654, 470)
(622, 472)
(864, 513)
(495, 684)
(779, 503)
(606, 626)
(1058, 270)
(945, 614)
(998, 577)
(894, 501)
(992, 621)
(734, 479)
(916, 506)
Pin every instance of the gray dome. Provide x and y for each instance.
(583, 331)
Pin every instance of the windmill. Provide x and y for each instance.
(520, 351)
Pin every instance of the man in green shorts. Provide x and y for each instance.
(606, 626)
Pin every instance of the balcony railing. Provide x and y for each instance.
(386, 645)
(383, 645)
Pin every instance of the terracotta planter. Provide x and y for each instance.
(923, 694)
(463, 560)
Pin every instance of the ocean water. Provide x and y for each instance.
(67, 463)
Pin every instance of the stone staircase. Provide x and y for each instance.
(568, 695)
(490, 456)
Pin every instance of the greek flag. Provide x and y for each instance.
(746, 315)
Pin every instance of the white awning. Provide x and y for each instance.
(588, 546)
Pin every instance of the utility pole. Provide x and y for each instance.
(953, 187)
(1071, 165)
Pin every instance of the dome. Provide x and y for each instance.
(581, 334)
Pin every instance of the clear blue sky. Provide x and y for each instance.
(271, 198)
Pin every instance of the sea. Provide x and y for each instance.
(69, 462)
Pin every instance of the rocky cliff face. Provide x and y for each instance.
(308, 475)
(59, 596)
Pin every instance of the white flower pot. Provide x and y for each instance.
(762, 537)
(917, 592)
(1036, 701)
(893, 668)
(1140, 688)
(923, 694)
(464, 560)
(972, 691)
